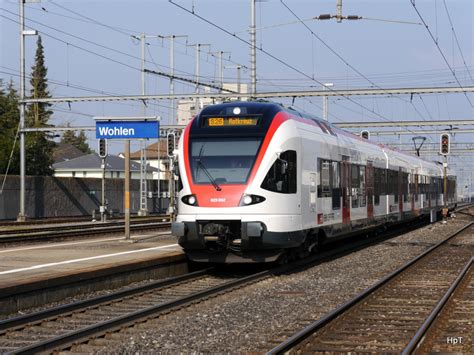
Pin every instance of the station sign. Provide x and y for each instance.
(127, 129)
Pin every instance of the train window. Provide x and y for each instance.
(377, 185)
(405, 191)
(325, 174)
(355, 176)
(355, 185)
(417, 186)
(392, 184)
(383, 181)
(223, 160)
(281, 179)
(336, 185)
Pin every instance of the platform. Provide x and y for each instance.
(29, 274)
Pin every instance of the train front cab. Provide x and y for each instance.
(242, 182)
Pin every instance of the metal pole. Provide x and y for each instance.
(339, 10)
(127, 189)
(445, 190)
(172, 118)
(253, 49)
(325, 102)
(103, 216)
(325, 108)
(159, 174)
(221, 71)
(143, 211)
(197, 76)
(171, 190)
(22, 216)
(142, 42)
(238, 78)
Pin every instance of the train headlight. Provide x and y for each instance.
(247, 200)
(190, 200)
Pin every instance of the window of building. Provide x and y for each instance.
(282, 175)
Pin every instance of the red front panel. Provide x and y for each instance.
(230, 194)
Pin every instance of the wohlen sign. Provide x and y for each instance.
(127, 129)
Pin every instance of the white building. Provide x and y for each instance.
(187, 108)
(90, 166)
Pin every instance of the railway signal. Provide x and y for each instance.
(171, 143)
(444, 146)
(102, 147)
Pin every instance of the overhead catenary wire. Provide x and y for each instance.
(128, 33)
(94, 53)
(271, 56)
(332, 50)
(78, 87)
(456, 37)
(412, 2)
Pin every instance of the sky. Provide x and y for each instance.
(89, 50)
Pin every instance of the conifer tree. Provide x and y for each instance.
(9, 118)
(39, 145)
(79, 141)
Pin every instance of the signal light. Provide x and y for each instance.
(102, 147)
(444, 144)
(365, 134)
(171, 144)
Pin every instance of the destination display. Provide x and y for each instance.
(231, 121)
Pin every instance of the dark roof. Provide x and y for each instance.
(93, 162)
(64, 152)
(152, 151)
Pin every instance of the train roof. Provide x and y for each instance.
(270, 109)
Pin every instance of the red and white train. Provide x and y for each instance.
(258, 180)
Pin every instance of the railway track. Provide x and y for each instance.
(42, 233)
(395, 314)
(62, 220)
(62, 326)
(90, 325)
(446, 330)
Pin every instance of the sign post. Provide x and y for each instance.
(127, 128)
(445, 150)
(103, 155)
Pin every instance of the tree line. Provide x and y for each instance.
(39, 146)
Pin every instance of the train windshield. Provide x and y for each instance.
(223, 160)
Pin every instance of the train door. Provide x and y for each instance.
(369, 187)
(346, 188)
(428, 190)
(399, 192)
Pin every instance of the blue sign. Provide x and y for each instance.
(127, 129)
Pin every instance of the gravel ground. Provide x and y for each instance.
(248, 319)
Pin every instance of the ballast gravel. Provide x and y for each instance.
(258, 317)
